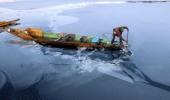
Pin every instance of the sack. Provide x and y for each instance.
(70, 37)
(86, 39)
(77, 38)
(95, 40)
(35, 32)
(50, 35)
(104, 41)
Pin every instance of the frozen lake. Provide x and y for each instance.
(40, 73)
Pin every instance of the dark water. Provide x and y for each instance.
(33, 72)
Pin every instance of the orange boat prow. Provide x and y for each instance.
(8, 23)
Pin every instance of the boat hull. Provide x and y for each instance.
(64, 44)
(76, 45)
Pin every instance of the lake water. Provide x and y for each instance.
(33, 72)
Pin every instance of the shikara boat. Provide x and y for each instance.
(60, 40)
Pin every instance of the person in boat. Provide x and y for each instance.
(117, 32)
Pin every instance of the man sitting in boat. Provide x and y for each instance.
(117, 32)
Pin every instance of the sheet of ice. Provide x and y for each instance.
(7, 1)
(84, 64)
(29, 17)
(54, 20)
(35, 17)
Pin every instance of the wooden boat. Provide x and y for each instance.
(4, 24)
(53, 42)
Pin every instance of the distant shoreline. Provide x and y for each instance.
(148, 1)
(127, 1)
(11, 5)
